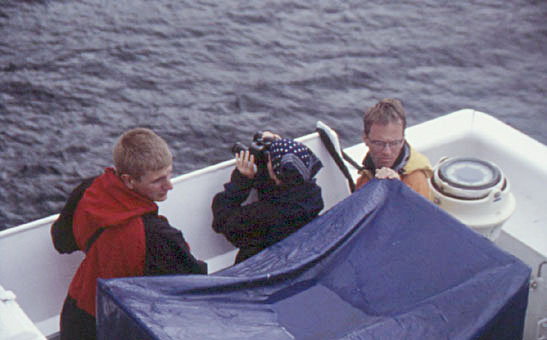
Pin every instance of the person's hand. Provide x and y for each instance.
(388, 173)
(270, 135)
(272, 174)
(245, 163)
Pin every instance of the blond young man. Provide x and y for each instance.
(115, 221)
(389, 155)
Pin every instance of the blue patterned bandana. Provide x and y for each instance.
(292, 161)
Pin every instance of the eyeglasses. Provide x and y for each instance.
(379, 144)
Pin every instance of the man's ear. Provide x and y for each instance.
(366, 140)
(127, 180)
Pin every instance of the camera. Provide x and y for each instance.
(259, 149)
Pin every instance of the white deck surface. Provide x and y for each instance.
(14, 323)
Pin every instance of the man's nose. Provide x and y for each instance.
(387, 148)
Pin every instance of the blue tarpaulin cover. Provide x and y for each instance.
(382, 264)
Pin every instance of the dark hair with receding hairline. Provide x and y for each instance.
(386, 111)
(141, 150)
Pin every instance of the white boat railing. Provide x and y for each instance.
(39, 276)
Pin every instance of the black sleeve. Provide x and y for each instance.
(249, 225)
(166, 250)
(225, 202)
(256, 225)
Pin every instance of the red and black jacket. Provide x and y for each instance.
(134, 241)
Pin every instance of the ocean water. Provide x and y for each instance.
(204, 74)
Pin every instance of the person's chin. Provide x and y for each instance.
(385, 163)
(161, 198)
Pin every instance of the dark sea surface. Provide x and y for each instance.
(203, 74)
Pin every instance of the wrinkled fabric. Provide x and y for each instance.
(383, 264)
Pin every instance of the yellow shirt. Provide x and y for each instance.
(415, 174)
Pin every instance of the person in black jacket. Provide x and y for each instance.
(288, 196)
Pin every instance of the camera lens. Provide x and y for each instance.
(238, 147)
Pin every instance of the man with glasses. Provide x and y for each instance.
(389, 156)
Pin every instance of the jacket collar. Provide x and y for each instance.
(398, 165)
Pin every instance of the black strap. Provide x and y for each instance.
(93, 238)
(336, 157)
(61, 230)
(352, 162)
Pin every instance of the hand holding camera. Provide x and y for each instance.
(252, 159)
(245, 163)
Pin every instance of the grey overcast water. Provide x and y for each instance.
(204, 74)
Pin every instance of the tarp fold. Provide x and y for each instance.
(382, 264)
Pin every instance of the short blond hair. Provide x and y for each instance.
(388, 110)
(141, 150)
